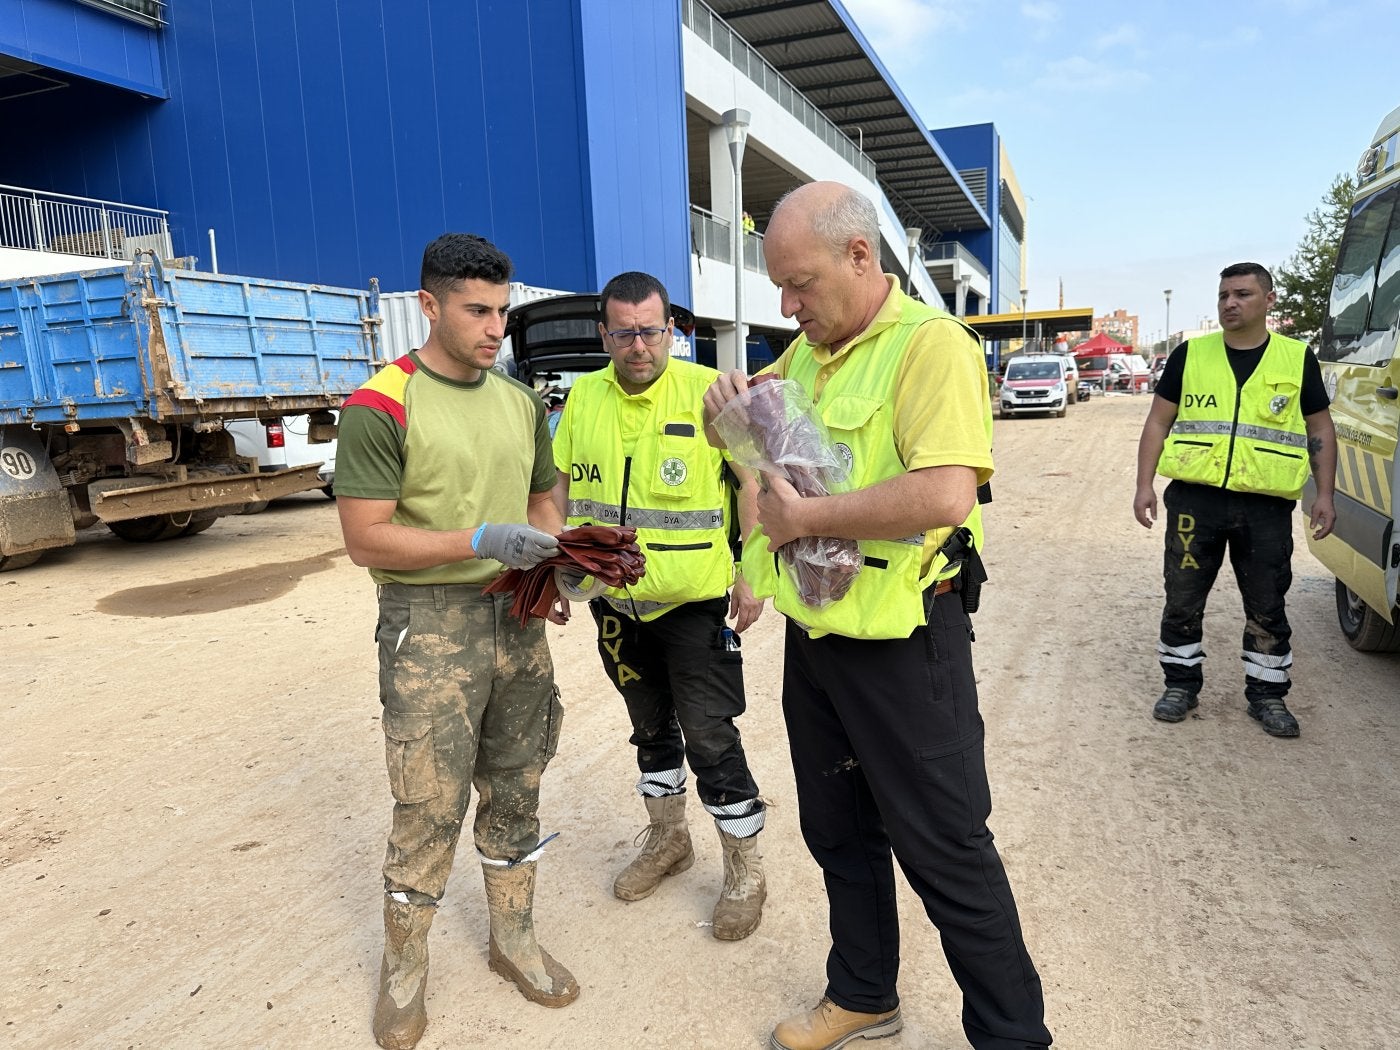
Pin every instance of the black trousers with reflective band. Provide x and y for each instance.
(1202, 525)
(683, 691)
(886, 746)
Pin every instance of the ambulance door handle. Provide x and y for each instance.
(1387, 392)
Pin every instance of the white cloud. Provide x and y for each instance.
(1078, 73)
(901, 28)
(1120, 37)
(1041, 11)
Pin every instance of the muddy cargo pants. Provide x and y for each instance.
(1202, 523)
(886, 743)
(468, 698)
(683, 691)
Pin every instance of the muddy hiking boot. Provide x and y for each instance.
(740, 906)
(665, 850)
(1173, 705)
(513, 951)
(1273, 714)
(400, 1016)
(827, 1027)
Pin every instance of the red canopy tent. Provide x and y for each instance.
(1100, 344)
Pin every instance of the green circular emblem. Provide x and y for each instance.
(673, 471)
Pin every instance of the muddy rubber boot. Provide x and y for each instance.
(513, 951)
(666, 850)
(400, 1016)
(739, 909)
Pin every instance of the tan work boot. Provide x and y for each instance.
(666, 850)
(400, 1016)
(828, 1026)
(739, 909)
(513, 951)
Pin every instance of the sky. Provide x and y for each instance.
(1157, 143)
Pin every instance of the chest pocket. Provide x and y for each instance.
(1283, 391)
(682, 457)
(845, 415)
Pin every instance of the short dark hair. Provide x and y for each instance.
(1250, 269)
(633, 287)
(457, 257)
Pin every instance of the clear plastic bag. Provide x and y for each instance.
(773, 427)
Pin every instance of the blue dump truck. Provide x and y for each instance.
(116, 385)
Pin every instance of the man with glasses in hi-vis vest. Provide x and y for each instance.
(630, 450)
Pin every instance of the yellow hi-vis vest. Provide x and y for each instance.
(1246, 439)
(671, 489)
(857, 405)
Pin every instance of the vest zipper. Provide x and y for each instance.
(1234, 426)
(622, 500)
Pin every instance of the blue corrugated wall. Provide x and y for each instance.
(328, 141)
(975, 146)
(81, 40)
(634, 93)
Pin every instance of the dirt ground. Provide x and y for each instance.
(193, 807)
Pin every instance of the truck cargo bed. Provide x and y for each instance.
(176, 345)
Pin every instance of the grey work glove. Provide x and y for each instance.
(516, 546)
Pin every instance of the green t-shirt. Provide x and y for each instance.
(450, 454)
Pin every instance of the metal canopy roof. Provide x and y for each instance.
(1049, 322)
(820, 50)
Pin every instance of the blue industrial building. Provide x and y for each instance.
(329, 140)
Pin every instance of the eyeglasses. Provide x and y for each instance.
(650, 336)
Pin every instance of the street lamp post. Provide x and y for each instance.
(912, 234)
(1168, 347)
(1025, 293)
(736, 131)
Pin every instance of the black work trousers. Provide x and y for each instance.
(683, 690)
(886, 746)
(1202, 524)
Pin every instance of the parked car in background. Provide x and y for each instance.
(1035, 383)
(1155, 366)
(282, 442)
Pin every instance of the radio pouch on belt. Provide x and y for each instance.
(960, 549)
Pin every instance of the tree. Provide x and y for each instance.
(1304, 282)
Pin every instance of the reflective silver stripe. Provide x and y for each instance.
(1265, 660)
(1278, 437)
(1265, 674)
(681, 520)
(1189, 655)
(917, 541)
(1201, 426)
(1222, 427)
(606, 513)
(630, 607)
(1190, 649)
(662, 782)
(646, 518)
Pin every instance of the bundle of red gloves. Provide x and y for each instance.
(606, 552)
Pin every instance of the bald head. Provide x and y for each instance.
(836, 213)
(822, 248)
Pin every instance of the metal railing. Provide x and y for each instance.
(712, 29)
(712, 238)
(55, 222)
(948, 251)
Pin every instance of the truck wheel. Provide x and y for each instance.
(197, 526)
(9, 562)
(256, 507)
(1365, 629)
(151, 529)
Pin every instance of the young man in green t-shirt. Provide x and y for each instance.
(444, 474)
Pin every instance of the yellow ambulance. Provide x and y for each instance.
(1360, 357)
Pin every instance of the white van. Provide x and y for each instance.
(280, 442)
(1035, 383)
